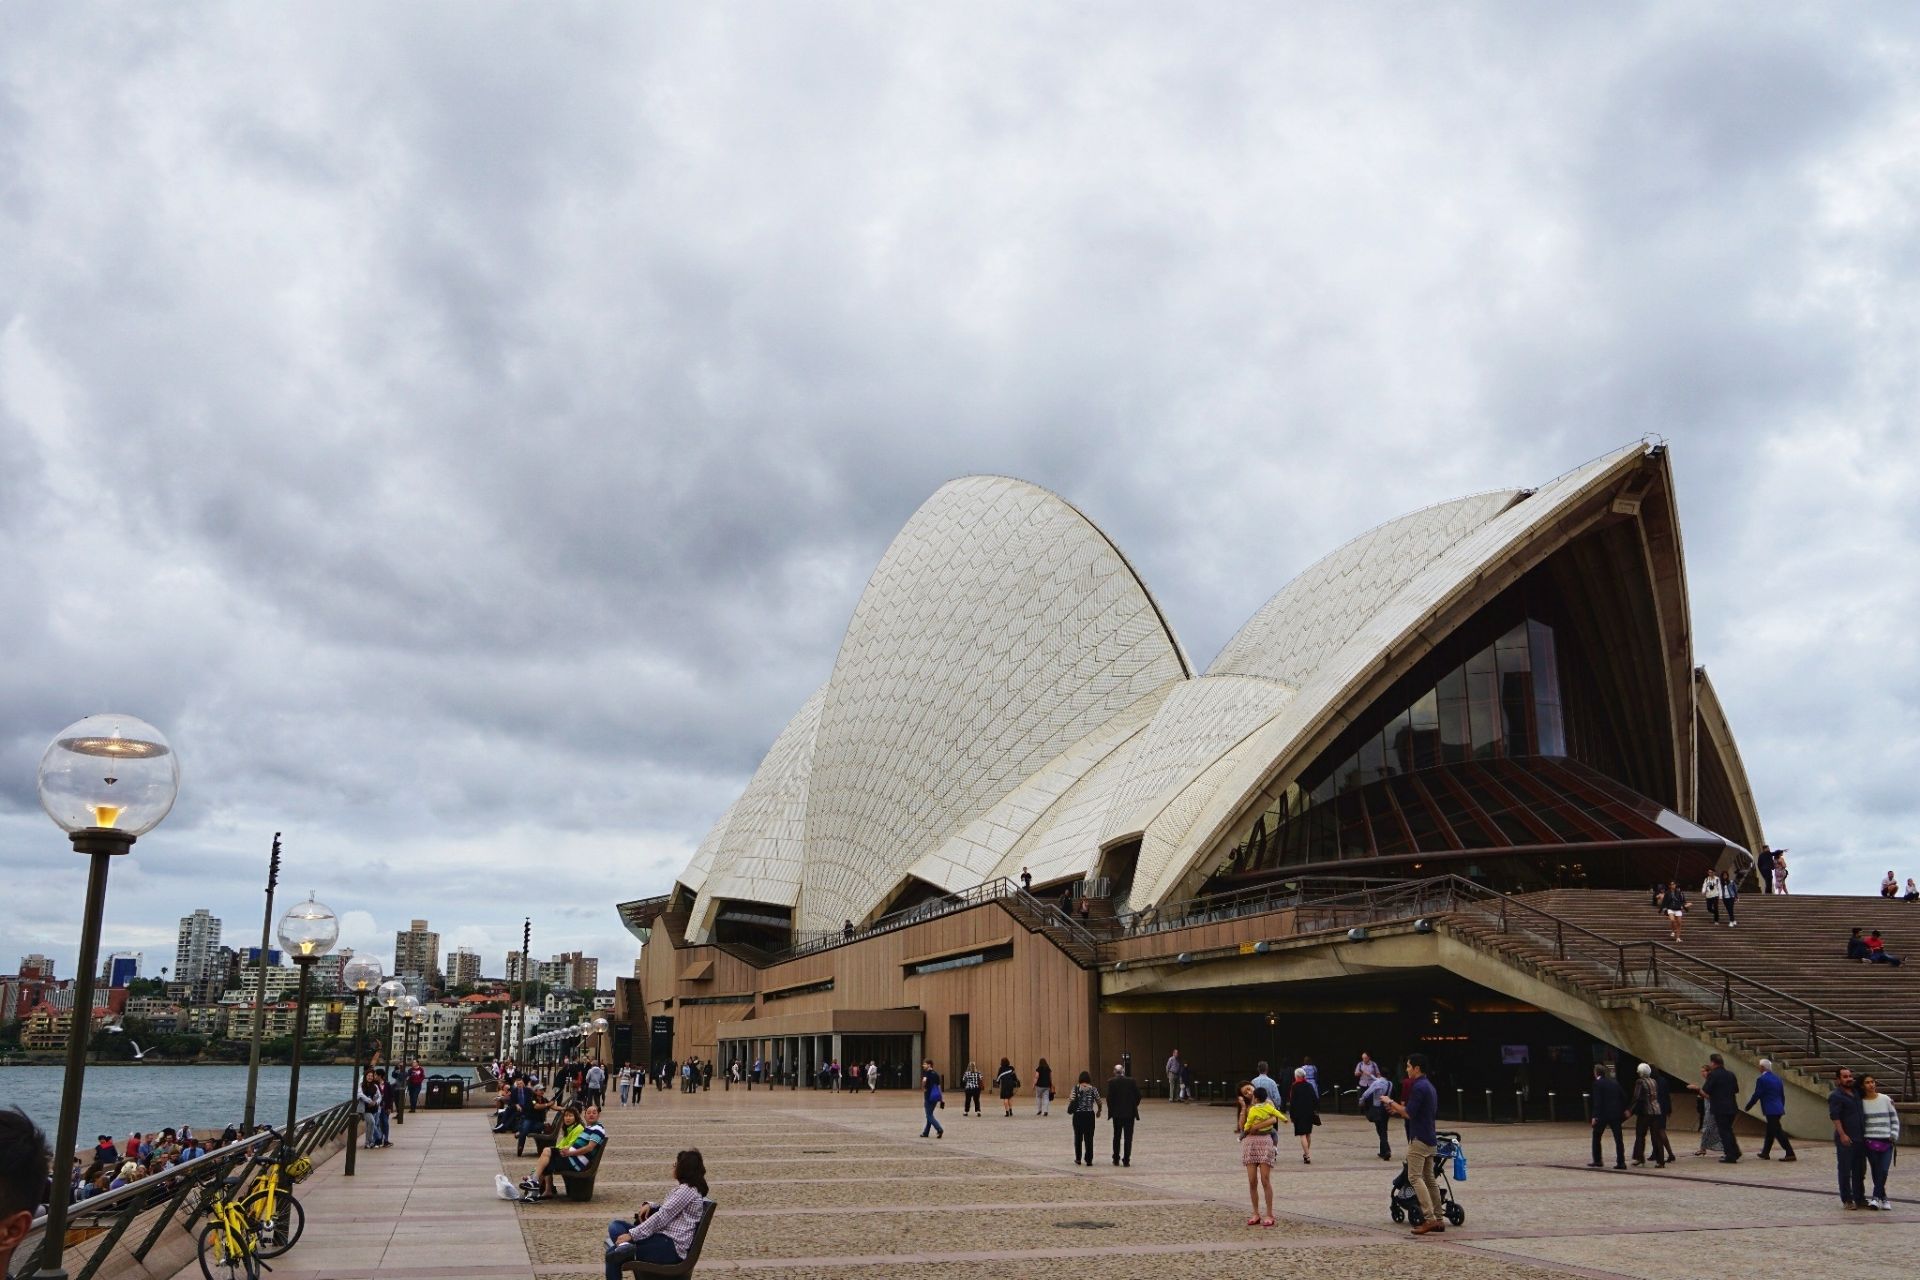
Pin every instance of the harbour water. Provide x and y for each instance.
(121, 1098)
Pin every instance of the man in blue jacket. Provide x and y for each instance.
(1770, 1091)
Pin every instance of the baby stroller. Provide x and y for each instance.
(1404, 1205)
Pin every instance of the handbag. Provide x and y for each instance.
(1878, 1145)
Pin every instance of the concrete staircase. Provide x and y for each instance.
(1744, 990)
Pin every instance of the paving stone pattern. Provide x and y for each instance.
(1001, 1200)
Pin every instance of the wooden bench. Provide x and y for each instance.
(580, 1184)
(684, 1267)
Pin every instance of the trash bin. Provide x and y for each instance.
(456, 1092)
(436, 1092)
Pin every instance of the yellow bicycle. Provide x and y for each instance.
(229, 1244)
(277, 1217)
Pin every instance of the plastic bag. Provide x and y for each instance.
(504, 1188)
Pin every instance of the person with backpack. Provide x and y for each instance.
(930, 1094)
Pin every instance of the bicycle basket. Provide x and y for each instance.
(299, 1168)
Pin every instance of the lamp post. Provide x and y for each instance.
(408, 1031)
(362, 975)
(260, 990)
(600, 1041)
(391, 994)
(307, 932)
(526, 968)
(106, 781)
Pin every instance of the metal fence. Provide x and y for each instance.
(130, 1222)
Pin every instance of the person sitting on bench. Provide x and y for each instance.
(1877, 950)
(574, 1145)
(661, 1234)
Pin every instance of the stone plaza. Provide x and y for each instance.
(811, 1185)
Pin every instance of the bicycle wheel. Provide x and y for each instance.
(283, 1231)
(220, 1260)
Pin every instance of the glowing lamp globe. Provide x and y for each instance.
(391, 992)
(362, 973)
(600, 1025)
(411, 1006)
(109, 771)
(309, 930)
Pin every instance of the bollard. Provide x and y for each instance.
(1519, 1107)
(1552, 1118)
(1489, 1106)
(1460, 1105)
(1586, 1106)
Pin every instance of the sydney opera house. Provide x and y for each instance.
(1015, 819)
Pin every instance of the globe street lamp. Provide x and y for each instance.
(391, 993)
(307, 932)
(362, 976)
(600, 1040)
(408, 1041)
(106, 781)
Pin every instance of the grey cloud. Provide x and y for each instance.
(499, 411)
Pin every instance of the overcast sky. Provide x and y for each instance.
(465, 430)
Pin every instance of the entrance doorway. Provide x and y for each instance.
(959, 1046)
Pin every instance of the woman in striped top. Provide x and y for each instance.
(1883, 1130)
(662, 1234)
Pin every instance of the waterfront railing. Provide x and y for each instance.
(128, 1230)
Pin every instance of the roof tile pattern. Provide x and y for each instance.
(1316, 613)
(759, 856)
(1000, 628)
(1200, 721)
(978, 853)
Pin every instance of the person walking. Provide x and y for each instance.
(1729, 896)
(1849, 1140)
(1042, 1087)
(1421, 1110)
(1257, 1130)
(1008, 1082)
(1709, 1131)
(1364, 1070)
(930, 1095)
(1174, 1074)
(1722, 1088)
(624, 1081)
(1372, 1101)
(1304, 1103)
(1770, 1091)
(1674, 903)
(1609, 1113)
(1123, 1109)
(1881, 1127)
(1780, 871)
(1710, 894)
(1649, 1119)
(873, 1075)
(1083, 1105)
(970, 1084)
(1261, 1080)
(596, 1085)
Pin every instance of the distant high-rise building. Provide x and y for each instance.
(198, 953)
(416, 953)
(463, 968)
(326, 971)
(586, 972)
(36, 966)
(121, 968)
(516, 965)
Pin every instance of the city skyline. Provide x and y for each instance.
(483, 503)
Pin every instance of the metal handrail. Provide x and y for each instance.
(1257, 900)
(1668, 968)
(105, 1219)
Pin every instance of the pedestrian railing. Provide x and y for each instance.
(1794, 1024)
(130, 1223)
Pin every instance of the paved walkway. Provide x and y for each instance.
(424, 1207)
(815, 1187)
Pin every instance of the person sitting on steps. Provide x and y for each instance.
(1877, 950)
